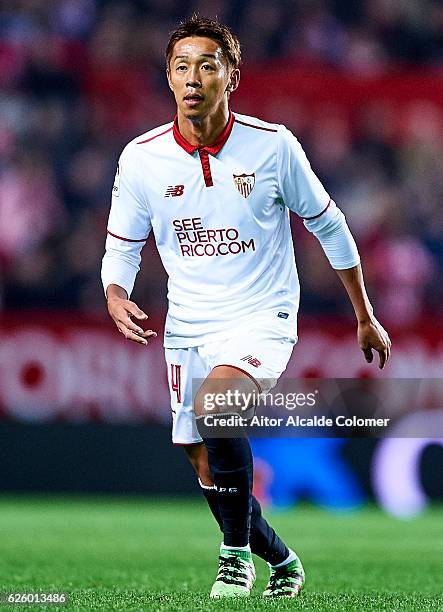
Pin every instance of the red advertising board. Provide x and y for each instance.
(68, 367)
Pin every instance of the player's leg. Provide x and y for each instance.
(230, 463)
(184, 365)
(264, 541)
(229, 459)
(287, 574)
(198, 457)
(261, 347)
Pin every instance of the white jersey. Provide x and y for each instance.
(220, 217)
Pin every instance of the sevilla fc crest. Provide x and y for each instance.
(244, 183)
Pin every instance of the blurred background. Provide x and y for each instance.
(360, 83)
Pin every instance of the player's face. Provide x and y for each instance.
(200, 77)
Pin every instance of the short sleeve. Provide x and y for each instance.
(300, 189)
(129, 218)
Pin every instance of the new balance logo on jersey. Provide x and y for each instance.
(251, 360)
(174, 190)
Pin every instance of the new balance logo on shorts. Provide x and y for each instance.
(174, 190)
(251, 360)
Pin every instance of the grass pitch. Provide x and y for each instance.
(138, 554)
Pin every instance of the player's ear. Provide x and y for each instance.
(234, 80)
(168, 76)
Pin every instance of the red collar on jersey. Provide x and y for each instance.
(214, 148)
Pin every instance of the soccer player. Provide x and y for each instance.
(216, 188)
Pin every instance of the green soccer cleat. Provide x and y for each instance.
(236, 574)
(286, 581)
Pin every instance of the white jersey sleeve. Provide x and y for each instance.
(303, 193)
(129, 225)
(301, 190)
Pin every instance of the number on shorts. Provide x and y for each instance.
(176, 381)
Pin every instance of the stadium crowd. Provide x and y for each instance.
(80, 78)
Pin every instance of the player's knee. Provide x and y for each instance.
(225, 396)
(208, 399)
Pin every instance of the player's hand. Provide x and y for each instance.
(371, 336)
(121, 311)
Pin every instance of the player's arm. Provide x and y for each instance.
(334, 235)
(303, 193)
(370, 333)
(128, 228)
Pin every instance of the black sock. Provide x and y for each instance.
(212, 498)
(230, 462)
(264, 542)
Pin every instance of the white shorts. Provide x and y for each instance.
(260, 347)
